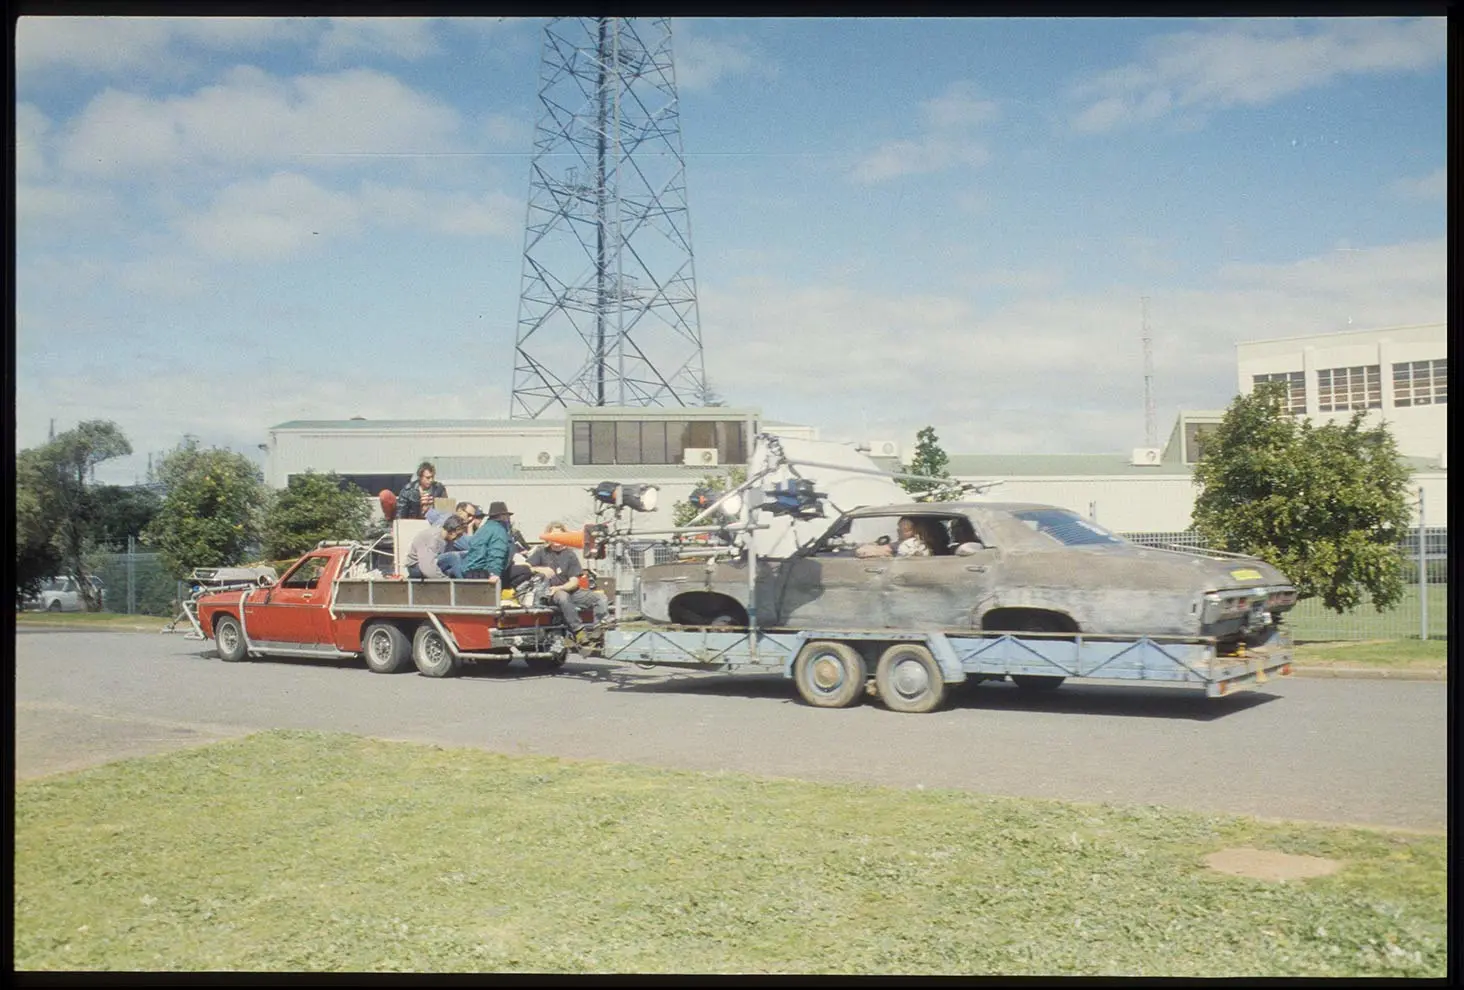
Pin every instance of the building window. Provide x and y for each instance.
(1195, 437)
(1295, 380)
(1343, 389)
(656, 441)
(1421, 383)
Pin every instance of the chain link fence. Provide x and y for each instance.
(1422, 614)
(135, 582)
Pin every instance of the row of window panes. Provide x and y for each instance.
(1421, 383)
(1358, 387)
(1296, 380)
(1415, 383)
(657, 441)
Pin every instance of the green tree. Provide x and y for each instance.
(212, 511)
(313, 507)
(120, 512)
(56, 505)
(685, 511)
(929, 461)
(1327, 505)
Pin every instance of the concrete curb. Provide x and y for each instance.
(1369, 673)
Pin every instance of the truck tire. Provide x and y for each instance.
(909, 679)
(829, 674)
(430, 653)
(386, 648)
(55, 605)
(229, 639)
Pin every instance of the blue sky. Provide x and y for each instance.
(223, 224)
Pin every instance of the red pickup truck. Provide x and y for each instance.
(325, 605)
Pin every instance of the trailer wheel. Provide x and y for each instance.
(909, 679)
(1037, 682)
(430, 653)
(545, 664)
(229, 639)
(829, 674)
(387, 649)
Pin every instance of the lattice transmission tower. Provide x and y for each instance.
(607, 312)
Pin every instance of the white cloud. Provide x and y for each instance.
(252, 117)
(702, 62)
(407, 38)
(1252, 63)
(31, 127)
(945, 140)
(1434, 186)
(271, 220)
(1047, 372)
(129, 44)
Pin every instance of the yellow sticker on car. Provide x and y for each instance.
(1246, 574)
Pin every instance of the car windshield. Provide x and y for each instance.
(1067, 528)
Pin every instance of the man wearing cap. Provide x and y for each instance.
(428, 545)
(490, 547)
(560, 567)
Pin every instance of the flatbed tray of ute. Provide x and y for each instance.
(419, 593)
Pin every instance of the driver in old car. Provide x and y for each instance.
(907, 544)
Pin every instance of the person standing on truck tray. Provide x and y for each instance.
(561, 567)
(428, 545)
(420, 494)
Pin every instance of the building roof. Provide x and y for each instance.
(419, 425)
(1057, 465)
(510, 468)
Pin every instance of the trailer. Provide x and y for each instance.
(909, 671)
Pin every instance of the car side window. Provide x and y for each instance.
(307, 575)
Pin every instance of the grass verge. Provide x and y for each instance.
(100, 621)
(1386, 654)
(324, 852)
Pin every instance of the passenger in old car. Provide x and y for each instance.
(420, 493)
(907, 543)
(427, 547)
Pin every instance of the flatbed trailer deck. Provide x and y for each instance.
(909, 670)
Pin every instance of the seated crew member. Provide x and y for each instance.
(906, 544)
(560, 566)
(490, 548)
(420, 493)
(427, 546)
(450, 561)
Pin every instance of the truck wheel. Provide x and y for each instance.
(909, 679)
(55, 605)
(386, 648)
(229, 639)
(829, 675)
(430, 653)
(1037, 682)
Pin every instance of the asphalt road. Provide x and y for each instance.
(1363, 752)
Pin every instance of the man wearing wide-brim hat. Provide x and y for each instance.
(490, 547)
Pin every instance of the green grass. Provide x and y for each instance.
(1396, 654)
(100, 621)
(1309, 620)
(304, 851)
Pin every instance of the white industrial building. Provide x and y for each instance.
(544, 468)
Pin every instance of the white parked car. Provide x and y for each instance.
(62, 594)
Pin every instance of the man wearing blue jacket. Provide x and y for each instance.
(490, 547)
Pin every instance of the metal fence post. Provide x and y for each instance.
(1422, 568)
(131, 575)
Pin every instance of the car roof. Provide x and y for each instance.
(947, 508)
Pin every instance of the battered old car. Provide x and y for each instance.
(993, 566)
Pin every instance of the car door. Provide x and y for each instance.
(946, 590)
(829, 587)
(293, 611)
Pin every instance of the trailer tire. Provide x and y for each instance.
(1037, 682)
(229, 639)
(909, 679)
(830, 674)
(386, 648)
(431, 654)
(545, 664)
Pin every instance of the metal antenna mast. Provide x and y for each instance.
(607, 312)
(1151, 435)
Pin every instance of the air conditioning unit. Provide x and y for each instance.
(700, 456)
(883, 448)
(1146, 456)
(539, 458)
